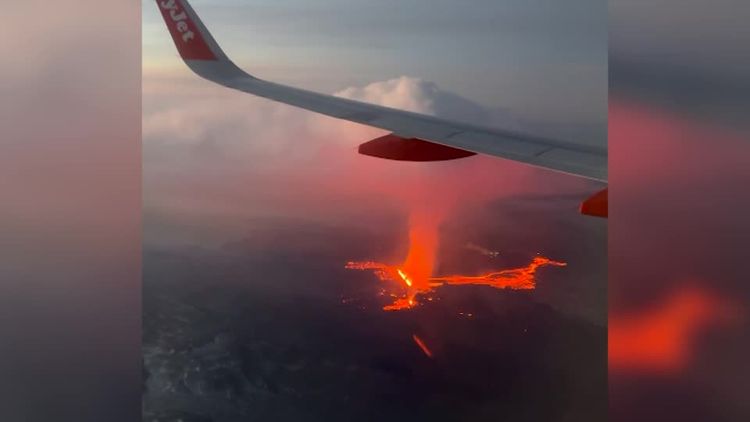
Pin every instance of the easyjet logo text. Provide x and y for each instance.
(180, 17)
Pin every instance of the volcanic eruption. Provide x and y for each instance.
(414, 277)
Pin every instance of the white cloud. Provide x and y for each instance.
(405, 93)
(242, 151)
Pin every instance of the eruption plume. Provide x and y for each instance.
(414, 276)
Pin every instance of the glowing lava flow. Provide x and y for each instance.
(404, 277)
(422, 346)
(516, 278)
(415, 276)
(523, 278)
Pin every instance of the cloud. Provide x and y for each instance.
(419, 96)
(405, 93)
(244, 150)
(228, 117)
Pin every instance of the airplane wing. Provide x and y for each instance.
(414, 137)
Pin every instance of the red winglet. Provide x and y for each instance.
(185, 33)
(596, 205)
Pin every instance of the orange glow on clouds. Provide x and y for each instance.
(662, 339)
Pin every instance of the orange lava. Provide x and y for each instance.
(384, 272)
(414, 276)
(662, 339)
(399, 304)
(523, 278)
(404, 277)
(422, 346)
(516, 278)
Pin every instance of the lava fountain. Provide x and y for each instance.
(415, 275)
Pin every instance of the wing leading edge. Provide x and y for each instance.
(203, 55)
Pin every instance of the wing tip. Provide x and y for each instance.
(597, 205)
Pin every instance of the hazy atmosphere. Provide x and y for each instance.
(253, 209)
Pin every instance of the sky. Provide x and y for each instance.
(545, 61)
